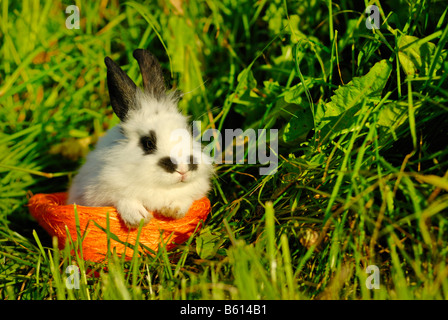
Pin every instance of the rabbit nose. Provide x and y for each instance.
(171, 165)
(182, 168)
(167, 164)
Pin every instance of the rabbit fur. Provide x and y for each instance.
(142, 164)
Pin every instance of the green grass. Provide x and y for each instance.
(363, 164)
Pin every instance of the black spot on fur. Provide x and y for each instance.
(149, 143)
(167, 164)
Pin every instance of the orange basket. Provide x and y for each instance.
(54, 216)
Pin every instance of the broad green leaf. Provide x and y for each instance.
(339, 113)
(301, 121)
(246, 82)
(368, 86)
(390, 117)
(274, 17)
(299, 125)
(244, 97)
(416, 56)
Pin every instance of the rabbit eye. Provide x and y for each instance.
(149, 143)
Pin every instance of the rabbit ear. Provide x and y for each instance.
(121, 89)
(153, 81)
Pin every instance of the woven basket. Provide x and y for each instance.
(55, 216)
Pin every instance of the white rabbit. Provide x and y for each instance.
(140, 165)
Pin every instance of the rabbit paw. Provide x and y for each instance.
(172, 212)
(175, 209)
(132, 212)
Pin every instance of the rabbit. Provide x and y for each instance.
(135, 166)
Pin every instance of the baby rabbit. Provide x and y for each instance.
(149, 161)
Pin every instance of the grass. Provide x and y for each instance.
(362, 172)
